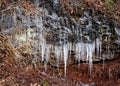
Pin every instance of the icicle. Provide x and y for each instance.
(61, 53)
(117, 30)
(65, 53)
(57, 53)
(56, 2)
(14, 19)
(78, 51)
(87, 52)
(43, 46)
(47, 55)
(82, 51)
(90, 57)
(37, 2)
(98, 46)
(90, 50)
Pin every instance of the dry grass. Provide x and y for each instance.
(7, 50)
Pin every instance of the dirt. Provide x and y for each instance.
(17, 73)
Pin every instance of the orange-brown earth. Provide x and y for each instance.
(20, 72)
(17, 74)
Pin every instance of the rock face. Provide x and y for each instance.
(50, 30)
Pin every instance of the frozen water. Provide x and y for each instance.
(117, 30)
(98, 47)
(65, 53)
(14, 19)
(56, 2)
(37, 2)
(66, 35)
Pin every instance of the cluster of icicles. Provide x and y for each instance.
(84, 51)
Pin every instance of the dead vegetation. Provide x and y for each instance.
(105, 7)
(16, 73)
(7, 50)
